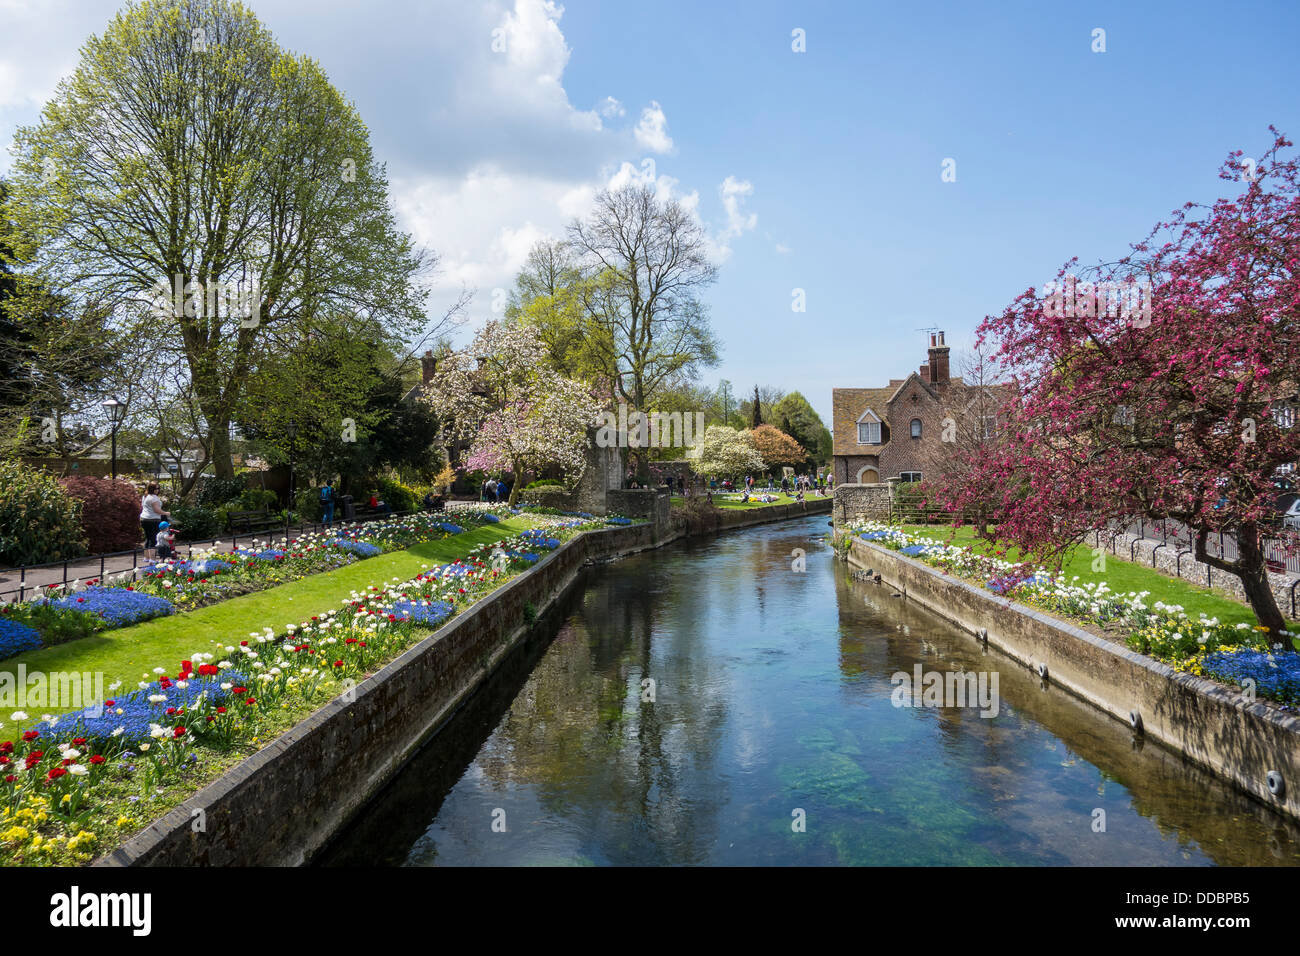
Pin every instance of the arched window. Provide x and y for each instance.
(916, 428)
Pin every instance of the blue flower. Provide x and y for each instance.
(491, 518)
(16, 638)
(450, 528)
(1276, 676)
(361, 549)
(538, 538)
(137, 712)
(433, 613)
(617, 520)
(117, 606)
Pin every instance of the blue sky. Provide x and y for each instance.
(817, 170)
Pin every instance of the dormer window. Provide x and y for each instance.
(869, 428)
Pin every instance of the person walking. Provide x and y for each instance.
(503, 490)
(327, 503)
(151, 515)
(490, 490)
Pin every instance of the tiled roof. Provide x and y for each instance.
(847, 406)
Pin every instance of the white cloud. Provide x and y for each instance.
(734, 192)
(486, 153)
(652, 129)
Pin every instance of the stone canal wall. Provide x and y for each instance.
(1241, 741)
(283, 804)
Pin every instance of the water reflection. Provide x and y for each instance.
(772, 696)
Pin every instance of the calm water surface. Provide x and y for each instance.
(772, 694)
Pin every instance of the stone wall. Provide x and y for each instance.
(603, 471)
(650, 503)
(1236, 739)
(861, 503)
(1178, 561)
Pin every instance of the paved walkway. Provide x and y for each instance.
(18, 584)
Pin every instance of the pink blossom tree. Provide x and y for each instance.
(546, 425)
(1177, 403)
(501, 396)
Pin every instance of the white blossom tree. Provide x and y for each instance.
(725, 451)
(501, 394)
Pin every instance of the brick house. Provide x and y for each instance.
(896, 431)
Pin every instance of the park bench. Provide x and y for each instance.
(248, 522)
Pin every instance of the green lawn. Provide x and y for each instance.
(127, 653)
(721, 500)
(1120, 575)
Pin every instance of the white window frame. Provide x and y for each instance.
(907, 480)
(870, 418)
(916, 428)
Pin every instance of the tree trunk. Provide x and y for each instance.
(1253, 571)
(516, 478)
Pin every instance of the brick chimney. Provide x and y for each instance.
(925, 372)
(428, 365)
(938, 359)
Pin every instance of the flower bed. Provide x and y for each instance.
(16, 637)
(213, 575)
(1203, 646)
(117, 606)
(72, 783)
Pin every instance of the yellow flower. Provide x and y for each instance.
(15, 835)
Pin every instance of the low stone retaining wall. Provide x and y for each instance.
(1234, 738)
(283, 804)
(861, 503)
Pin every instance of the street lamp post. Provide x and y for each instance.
(292, 431)
(116, 412)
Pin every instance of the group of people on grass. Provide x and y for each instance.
(796, 487)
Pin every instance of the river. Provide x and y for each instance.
(770, 736)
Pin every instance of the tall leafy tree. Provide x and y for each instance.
(795, 416)
(188, 144)
(645, 265)
(1183, 409)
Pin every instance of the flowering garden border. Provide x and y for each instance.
(176, 586)
(63, 779)
(1232, 654)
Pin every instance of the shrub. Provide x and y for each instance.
(256, 499)
(307, 503)
(547, 489)
(110, 512)
(222, 491)
(699, 514)
(39, 520)
(199, 523)
(397, 495)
